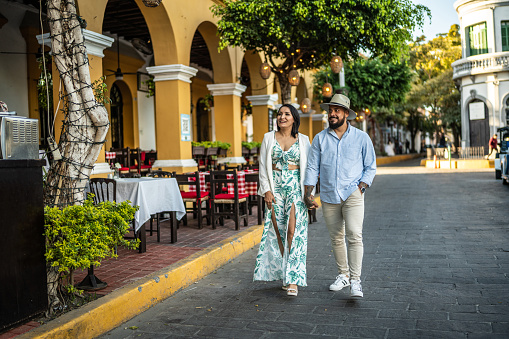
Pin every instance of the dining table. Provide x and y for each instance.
(152, 195)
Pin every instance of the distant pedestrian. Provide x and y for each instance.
(407, 146)
(493, 144)
(344, 159)
(389, 149)
(283, 248)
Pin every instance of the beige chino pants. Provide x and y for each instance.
(345, 220)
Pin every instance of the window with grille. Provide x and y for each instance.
(478, 40)
(504, 27)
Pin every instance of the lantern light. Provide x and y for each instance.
(305, 105)
(265, 70)
(293, 78)
(327, 90)
(336, 64)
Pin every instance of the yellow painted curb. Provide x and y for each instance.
(108, 312)
(396, 158)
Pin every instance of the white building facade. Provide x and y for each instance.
(483, 71)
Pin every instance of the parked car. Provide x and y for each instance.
(502, 158)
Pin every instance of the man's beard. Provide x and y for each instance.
(337, 124)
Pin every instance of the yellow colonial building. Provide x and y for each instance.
(168, 81)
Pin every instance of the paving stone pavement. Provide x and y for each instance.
(436, 265)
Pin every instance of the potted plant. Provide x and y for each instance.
(197, 148)
(223, 147)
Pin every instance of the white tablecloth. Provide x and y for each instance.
(153, 195)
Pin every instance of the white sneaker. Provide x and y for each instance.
(356, 289)
(342, 281)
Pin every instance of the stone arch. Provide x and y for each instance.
(478, 130)
(259, 86)
(123, 116)
(162, 34)
(222, 65)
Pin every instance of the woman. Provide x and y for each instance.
(283, 159)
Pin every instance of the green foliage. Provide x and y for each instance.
(319, 28)
(208, 101)
(208, 144)
(151, 87)
(79, 236)
(100, 89)
(306, 33)
(251, 144)
(377, 84)
(436, 56)
(43, 88)
(435, 89)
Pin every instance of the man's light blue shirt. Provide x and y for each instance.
(341, 164)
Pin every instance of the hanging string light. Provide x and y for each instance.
(305, 105)
(336, 64)
(152, 3)
(293, 78)
(265, 70)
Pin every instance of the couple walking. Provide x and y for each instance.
(344, 159)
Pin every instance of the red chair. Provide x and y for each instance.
(196, 198)
(229, 204)
(137, 164)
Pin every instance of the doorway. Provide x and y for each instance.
(117, 122)
(479, 127)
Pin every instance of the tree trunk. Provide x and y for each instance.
(86, 121)
(286, 88)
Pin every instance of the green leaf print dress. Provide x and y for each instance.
(270, 265)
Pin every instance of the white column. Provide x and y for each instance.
(226, 89)
(173, 72)
(263, 100)
(95, 43)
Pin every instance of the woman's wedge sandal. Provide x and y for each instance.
(292, 292)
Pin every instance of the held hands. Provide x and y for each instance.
(269, 198)
(310, 202)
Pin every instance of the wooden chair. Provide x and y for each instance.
(234, 201)
(106, 190)
(196, 198)
(160, 217)
(103, 189)
(225, 167)
(123, 157)
(255, 200)
(137, 164)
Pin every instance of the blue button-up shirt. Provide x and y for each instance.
(341, 164)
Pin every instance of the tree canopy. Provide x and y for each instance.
(435, 88)
(305, 34)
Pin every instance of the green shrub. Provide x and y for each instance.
(79, 236)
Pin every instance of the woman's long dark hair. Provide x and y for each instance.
(296, 119)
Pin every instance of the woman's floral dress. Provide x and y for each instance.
(270, 265)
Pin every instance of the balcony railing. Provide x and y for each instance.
(479, 64)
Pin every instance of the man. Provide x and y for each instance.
(493, 145)
(344, 159)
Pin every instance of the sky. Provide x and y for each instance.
(443, 16)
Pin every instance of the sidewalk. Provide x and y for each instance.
(181, 262)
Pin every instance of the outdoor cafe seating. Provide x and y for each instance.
(131, 160)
